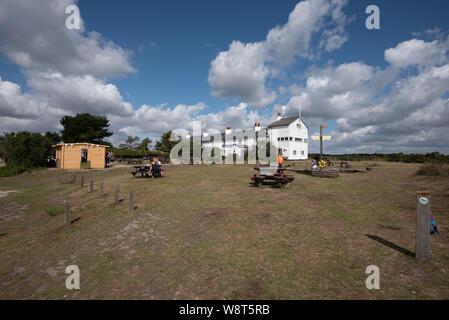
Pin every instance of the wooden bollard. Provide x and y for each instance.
(82, 181)
(117, 190)
(74, 179)
(91, 188)
(67, 213)
(131, 201)
(101, 188)
(422, 224)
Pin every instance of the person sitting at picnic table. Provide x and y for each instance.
(156, 168)
(159, 165)
(314, 165)
(280, 160)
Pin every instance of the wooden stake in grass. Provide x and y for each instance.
(101, 188)
(131, 201)
(422, 224)
(117, 190)
(67, 213)
(82, 181)
(91, 189)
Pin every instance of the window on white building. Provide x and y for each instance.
(294, 152)
(302, 152)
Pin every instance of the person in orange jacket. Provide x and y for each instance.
(280, 160)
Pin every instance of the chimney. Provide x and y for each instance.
(257, 127)
(228, 130)
(278, 116)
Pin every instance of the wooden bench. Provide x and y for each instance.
(271, 173)
(344, 164)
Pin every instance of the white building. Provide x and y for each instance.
(289, 135)
(234, 142)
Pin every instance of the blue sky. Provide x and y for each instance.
(175, 58)
(190, 34)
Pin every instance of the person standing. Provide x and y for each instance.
(280, 160)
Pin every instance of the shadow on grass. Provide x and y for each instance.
(391, 245)
(265, 184)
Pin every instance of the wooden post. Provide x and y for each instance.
(91, 189)
(74, 178)
(101, 188)
(67, 213)
(117, 190)
(321, 142)
(82, 181)
(422, 224)
(131, 201)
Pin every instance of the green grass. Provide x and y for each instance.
(204, 232)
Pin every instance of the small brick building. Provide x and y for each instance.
(73, 156)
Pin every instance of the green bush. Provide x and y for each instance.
(54, 211)
(434, 170)
(27, 150)
(10, 171)
(434, 157)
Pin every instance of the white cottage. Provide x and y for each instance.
(290, 136)
(234, 142)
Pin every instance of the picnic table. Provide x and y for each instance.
(344, 164)
(271, 173)
(144, 171)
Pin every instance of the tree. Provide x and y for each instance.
(165, 145)
(134, 143)
(53, 137)
(85, 127)
(144, 145)
(25, 149)
(131, 143)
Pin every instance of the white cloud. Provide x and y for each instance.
(34, 36)
(403, 107)
(66, 70)
(15, 104)
(242, 71)
(153, 121)
(382, 110)
(416, 52)
(79, 94)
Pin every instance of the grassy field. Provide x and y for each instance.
(203, 232)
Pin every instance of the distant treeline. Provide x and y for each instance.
(434, 157)
(127, 153)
